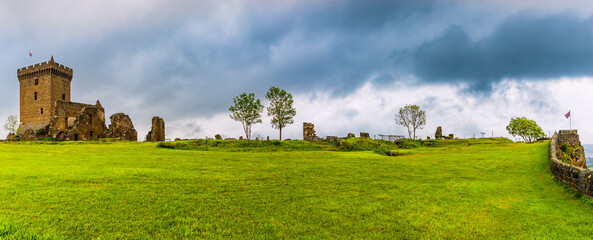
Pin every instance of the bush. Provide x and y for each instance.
(409, 143)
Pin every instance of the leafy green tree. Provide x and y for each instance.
(247, 110)
(411, 117)
(11, 125)
(525, 128)
(280, 108)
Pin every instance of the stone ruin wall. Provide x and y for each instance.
(569, 136)
(309, 132)
(157, 131)
(578, 178)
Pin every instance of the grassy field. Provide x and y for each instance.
(138, 190)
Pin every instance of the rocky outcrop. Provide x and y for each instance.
(350, 135)
(157, 131)
(364, 135)
(217, 137)
(122, 127)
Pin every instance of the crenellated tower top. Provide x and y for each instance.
(51, 66)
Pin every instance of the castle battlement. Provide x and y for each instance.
(49, 65)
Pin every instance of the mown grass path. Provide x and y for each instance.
(138, 191)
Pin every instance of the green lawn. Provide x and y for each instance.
(139, 191)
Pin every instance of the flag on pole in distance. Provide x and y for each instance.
(30, 54)
(567, 115)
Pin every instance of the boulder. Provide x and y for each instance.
(217, 137)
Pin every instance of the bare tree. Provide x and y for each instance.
(11, 125)
(412, 118)
(280, 108)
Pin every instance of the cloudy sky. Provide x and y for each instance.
(350, 65)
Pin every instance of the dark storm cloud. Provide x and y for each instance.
(180, 60)
(522, 47)
(187, 72)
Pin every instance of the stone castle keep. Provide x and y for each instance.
(47, 111)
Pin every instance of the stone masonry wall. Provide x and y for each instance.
(41, 85)
(309, 132)
(157, 131)
(578, 178)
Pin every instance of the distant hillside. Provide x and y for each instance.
(588, 150)
(589, 155)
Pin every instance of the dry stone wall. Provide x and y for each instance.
(578, 178)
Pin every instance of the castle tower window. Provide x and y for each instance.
(36, 81)
(63, 96)
(35, 95)
(90, 119)
(41, 110)
(91, 133)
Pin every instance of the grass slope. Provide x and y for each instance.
(139, 191)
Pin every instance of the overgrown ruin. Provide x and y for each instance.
(47, 111)
(569, 149)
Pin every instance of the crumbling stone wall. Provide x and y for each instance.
(309, 132)
(122, 127)
(364, 135)
(157, 131)
(569, 136)
(439, 133)
(331, 138)
(576, 177)
(576, 156)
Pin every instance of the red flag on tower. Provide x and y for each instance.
(30, 55)
(567, 115)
